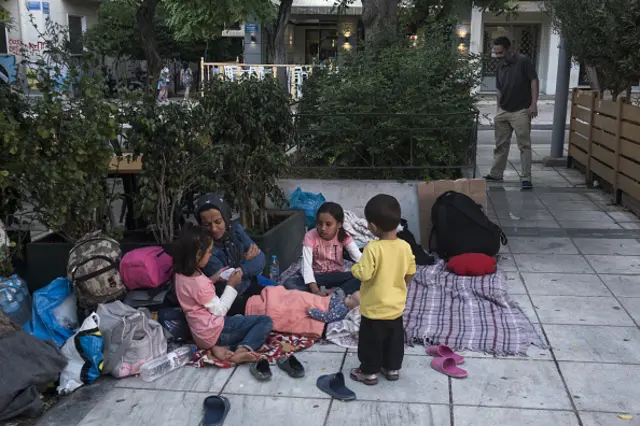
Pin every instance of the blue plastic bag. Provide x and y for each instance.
(309, 202)
(54, 315)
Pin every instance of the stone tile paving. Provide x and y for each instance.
(573, 267)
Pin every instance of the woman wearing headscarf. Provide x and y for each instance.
(232, 248)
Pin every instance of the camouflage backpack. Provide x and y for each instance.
(93, 269)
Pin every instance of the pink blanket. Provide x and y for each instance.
(288, 310)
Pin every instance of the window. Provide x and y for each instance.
(76, 30)
(4, 42)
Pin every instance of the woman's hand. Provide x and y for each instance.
(253, 252)
(235, 278)
(216, 277)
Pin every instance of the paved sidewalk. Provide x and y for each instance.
(544, 120)
(573, 261)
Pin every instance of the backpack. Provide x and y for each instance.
(460, 226)
(131, 338)
(147, 267)
(93, 270)
(422, 257)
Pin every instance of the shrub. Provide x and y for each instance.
(177, 159)
(397, 106)
(64, 146)
(250, 126)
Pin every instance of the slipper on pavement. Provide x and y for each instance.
(448, 367)
(444, 351)
(216, 409)
(333, 385)
(291, 366)
(261, 370)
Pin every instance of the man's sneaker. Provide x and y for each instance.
(367, 379)
(526, 184)
(391, 375)
(490, 178)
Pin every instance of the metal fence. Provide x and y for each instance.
(385, 146)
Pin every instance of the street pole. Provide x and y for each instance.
(562, 97)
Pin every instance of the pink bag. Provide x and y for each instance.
(147, 267)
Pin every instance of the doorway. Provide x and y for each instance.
(525, 39)
(321, 44)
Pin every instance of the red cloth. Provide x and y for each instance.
(472, 264)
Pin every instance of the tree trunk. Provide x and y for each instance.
(380, 20)
(144, 16)
(276, 50)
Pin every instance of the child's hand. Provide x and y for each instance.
(216, 277)
(235, 278)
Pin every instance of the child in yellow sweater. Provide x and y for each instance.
(386, 268)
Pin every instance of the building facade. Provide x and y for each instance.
(19, 32)
(315, 32)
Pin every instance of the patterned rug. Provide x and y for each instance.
(466, 313)
(277, 345)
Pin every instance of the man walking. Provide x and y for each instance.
(518, 89)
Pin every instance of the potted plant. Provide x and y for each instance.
(251, 128)
(65, 149)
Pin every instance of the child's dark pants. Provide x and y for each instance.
(380, 345)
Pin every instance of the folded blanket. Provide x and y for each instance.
(466, 313)
(276, 346)
(345, 332)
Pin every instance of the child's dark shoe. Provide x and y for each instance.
(367, 379)
(391, 375)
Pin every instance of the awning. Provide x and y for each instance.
(323, 7)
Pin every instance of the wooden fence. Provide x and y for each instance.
(604, 138)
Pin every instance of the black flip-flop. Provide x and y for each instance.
(291, 366)
(216, 409)
(333, 385)
(261, 370)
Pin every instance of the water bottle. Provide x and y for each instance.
(8, 300)
(160, 366)
(274, 270)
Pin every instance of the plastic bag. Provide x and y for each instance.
(175, 324)
(307, 201)
(15, 299)
(84, 353)
(54, 316)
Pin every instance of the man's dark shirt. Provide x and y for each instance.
(513, 80)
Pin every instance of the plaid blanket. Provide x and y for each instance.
(277, 345)
(466, 313)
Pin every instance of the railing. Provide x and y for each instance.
(295, 74)
(386, 146)
(604, 139)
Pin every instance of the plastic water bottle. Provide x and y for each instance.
(274, 270)
(160, 366)
(8, 300)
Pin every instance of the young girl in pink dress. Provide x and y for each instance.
(323, 255)
(234, 339)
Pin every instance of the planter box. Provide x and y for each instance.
(46, 259)
(283, 240)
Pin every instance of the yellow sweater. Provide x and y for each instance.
(382, 268)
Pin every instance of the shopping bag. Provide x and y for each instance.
(84, 355)
(428, 193)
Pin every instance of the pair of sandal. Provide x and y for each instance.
(261, 370)
(446, 361)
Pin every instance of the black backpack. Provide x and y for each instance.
(460, 226)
